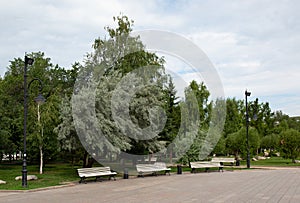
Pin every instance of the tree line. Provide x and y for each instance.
(118, 59)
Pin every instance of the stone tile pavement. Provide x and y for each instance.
(281, 185)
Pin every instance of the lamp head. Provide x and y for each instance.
(255, 117)
(28, 61)
(40, 99)
(247, 93)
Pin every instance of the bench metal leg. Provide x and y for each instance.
(112, 176)
(141, 174)
(82, 179)
(221, 166)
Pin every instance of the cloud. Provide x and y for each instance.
(252, 44)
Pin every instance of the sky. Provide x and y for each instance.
(253, 44)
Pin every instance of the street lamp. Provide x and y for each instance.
(247, 94)
(39, 99)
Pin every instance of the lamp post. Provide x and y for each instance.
(247, 94)
(39, 99)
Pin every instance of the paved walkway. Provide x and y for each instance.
(282, 185)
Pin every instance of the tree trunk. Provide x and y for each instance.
(171, 157)
(149, 158)
(90, 162)
(41, 160)
(72, 157)
(84, 164)
(41, 144)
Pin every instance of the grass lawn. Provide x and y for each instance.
(54, 174)
(274, 161)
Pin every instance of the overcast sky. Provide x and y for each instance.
(253, 44)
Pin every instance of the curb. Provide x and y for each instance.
(39, 189)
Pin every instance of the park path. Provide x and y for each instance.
(281, 185)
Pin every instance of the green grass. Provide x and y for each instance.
(54, 174)
(274, 161)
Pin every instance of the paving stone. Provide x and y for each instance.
(281, 185)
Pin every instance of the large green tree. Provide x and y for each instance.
(234, 116)
(69, 143)
(270, 142)
(11, 99)
(261, 117)
(290, 144)
(173, 114)
(129, 95)
(236, 143)
(195, 119)
(41, 120)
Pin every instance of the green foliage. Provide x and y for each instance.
(204, 107)
(270, 141)
(220, 148)
(42, 118)
(172, 110)
(11, 112)
(56, 82)
(261, 117)
(67, 136)
(234, 116)
(267, 123)
(290, 144)
(201, 123)
(294, 123)
(129, 83)
(236, 143)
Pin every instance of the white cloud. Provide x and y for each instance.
(253, 44)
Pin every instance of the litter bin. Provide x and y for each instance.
(237, 163)
(179, 169)
(125, 176)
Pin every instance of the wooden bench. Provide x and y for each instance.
(222, 161)
(152, 168)
(206, 165)
(95, 172)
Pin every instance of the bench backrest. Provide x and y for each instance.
(152, 159)
(151, 167)
(145, 167)
(204, 164)
(223, 160)
(161, 165)
(84, 171)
